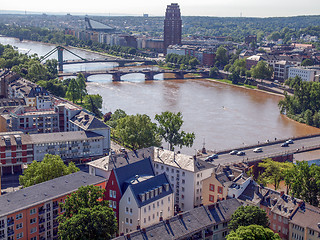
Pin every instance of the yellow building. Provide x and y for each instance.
(305, 224)
(216, 186)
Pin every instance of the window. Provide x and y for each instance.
(20, 235)
(110, 193)
(183, 181)
(225, 233)
(129, 200)
(33, 238)
(33, 211)
(19, 226)
(220, 190)
(144, 220)
(33, 230)
(211, 187)
(169, 199)
(183, 174)
(211, 198)
(18, 216)
(145, 209)
(114, 204)
(161, 167)
(172, 170)
(114, 194)
(127, 220)
(130, 210)
(182, 189)
(127, 209)
(33, 220)
(130, 221)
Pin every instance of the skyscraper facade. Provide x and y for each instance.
(172, 26)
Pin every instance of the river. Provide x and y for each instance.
(221, 116)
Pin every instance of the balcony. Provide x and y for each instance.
(55, 205)
(55, 224)
(10, 222)
(10, 233)
(41, 220)
(55, 216)
(86, 144)
(41, 230)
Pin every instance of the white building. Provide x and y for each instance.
(238, 186)
(68, 145)
(146, 201)
(305, 73)
(184, 172)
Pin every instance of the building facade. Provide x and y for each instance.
(172, 26)
(31, 213)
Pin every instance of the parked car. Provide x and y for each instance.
(257, 150)
(210, 158)
(290, 141)
(241, 153)
(285, 144)
(233, 152)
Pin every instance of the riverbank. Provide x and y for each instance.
(241, 86)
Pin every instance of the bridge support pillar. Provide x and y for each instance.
(116, 77)
(60, 58)
(121, 64)
(179, 75)
(149, 76)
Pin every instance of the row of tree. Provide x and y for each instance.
(304, 105)
(138, 131)
(301, 179)
(182, 61)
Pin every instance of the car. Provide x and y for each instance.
(241, 153)
(290, 141)
(214, 156)
(257, 150)
(210, 158)
(285, 144)
(233, 152)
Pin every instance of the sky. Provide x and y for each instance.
(220, 8)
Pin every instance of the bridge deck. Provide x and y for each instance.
(269, 150)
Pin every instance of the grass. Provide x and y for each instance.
(239, 84)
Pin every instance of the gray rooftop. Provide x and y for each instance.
(87, 121)
(158, 155)
(186, 224)
(46, 191)
(62, 136)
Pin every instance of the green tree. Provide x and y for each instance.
(72, 92)
(49, 168)
(93, 103)
(248, 215)
(221, 57)
(214, 72)
(87, 216)
(52, 67)
(138, 131)
(169, 128)
(252, 232)
(81, 84)
(261, 71)
(118, 114)
(273, 171)
(307, 62)
(304, 182)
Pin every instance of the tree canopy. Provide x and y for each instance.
(274, 172)
(262, 70)
(170, 129)
(87, 216)
(253, 232)
(93, 103)
(49, 168)
(138, 131)
(304, 182)
(248, 215)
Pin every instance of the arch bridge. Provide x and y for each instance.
(149, 73)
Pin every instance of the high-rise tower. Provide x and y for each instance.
(172, 26)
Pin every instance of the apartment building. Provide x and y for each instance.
(146, 201)
(205, 222)
(184, 172)
(31, 213)
(16, 149)
(215, 187)
(32, 120)
(305, 224)
(305, 73)
(33, 94)
(68, 145)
